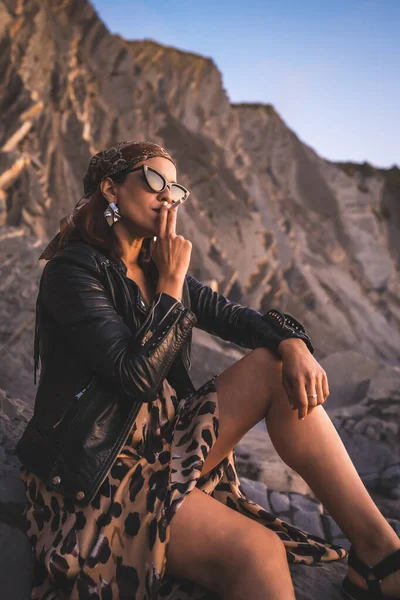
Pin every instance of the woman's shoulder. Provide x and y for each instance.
(70, 276)
(80, 253)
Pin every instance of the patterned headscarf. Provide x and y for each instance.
(103, 164)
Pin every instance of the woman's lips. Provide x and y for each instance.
(158, 210)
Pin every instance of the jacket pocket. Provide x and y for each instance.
(73, 413)
(92, 427)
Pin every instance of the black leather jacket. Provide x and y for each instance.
(104, 352)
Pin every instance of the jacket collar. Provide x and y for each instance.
(119, 263)
(86, 255)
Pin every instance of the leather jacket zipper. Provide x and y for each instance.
(149, 332)
(147, 336)
(148, 322)
(58, 422)
(121, 445)
(77, 396)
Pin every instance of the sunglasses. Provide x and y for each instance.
(157, 183)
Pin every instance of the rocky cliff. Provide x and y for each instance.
(271, 223)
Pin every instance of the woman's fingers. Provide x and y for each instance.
(325, 386)
(314, 388)
(302, 386)
(312, 402)
(300, 397)
(300, 400)
(164, 219)
(171, 222)
(167, 223)
(303, 403)
(293, 391)
(320, 391)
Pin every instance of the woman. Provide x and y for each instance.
(120, 437)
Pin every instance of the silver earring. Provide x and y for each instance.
(112, 214)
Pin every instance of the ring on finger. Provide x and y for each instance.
(312, 400)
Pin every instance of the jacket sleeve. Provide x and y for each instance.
(134, 362)
(239, 324)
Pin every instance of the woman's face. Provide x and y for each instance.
(137, 201)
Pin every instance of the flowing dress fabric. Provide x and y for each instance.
(116, 547)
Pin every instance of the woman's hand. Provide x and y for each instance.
(302, 375)
(170, 252)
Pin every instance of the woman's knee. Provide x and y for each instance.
(257, 550)
(211, 543)
(266, 355)
(258, 543)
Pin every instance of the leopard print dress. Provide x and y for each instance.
(116, 547)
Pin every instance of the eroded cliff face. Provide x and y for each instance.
(271, 222)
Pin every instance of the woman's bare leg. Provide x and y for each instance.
(226, 552)
(252, 389)
(313, 448)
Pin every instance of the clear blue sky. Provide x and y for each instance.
(330, 68)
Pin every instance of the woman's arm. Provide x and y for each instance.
(134, 362)
(235, 323)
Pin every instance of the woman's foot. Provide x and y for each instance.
(390, 585)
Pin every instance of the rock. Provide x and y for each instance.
(12, 497)
(370, 431)
(16, 562)
(14, 416)
(384, 387)
(319, 582)
(20, 274)
(257, 491)
(280, 503)
(210, 356)
(349, 374)
(307, 514)
(390, 482)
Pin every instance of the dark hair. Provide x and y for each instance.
(91, 226)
